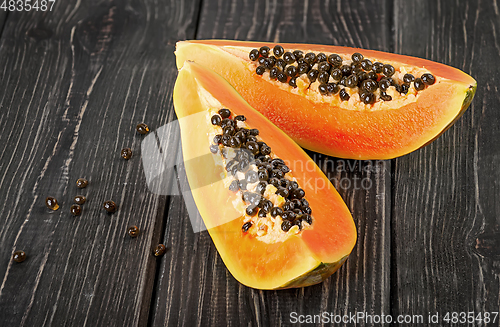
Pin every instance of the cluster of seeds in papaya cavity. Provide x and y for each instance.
(337, 76)
(271, 195)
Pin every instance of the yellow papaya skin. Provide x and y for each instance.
(328, 128)
(303, 259)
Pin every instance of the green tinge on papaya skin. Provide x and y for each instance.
(315, 276)
(469, 95)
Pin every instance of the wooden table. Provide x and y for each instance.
(75, 81)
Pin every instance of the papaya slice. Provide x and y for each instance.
(309, 92)
(274, 217)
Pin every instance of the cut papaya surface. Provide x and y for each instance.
(309, 92)
(296, 230)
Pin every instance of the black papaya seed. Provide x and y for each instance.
(369, 85)
(273, 73)
(321, 57)
(428, 79)
(289, 58)
(265, 149)
(324, 66)
(357, 57)
(291, 71)
(299, 193)
(344, 96)
(278, 51)
(312, 75)
(286, 225)
(307, 218)
(214, 148)
(274, 181)
(323, 77)
(307, 210)
(260, 70)
(384, 96)
(346, 70)
(366, 64)
(323, 89)
(234, 186)
(388, 70)
(419, 84)
(276, 211)
(215, 120)
(310, 58)
(254, 54)
(404, 88)
(264, 51)
(252, 210)
(408, 78)
(298, 54)
(336, 74)
(367, 97)
(261, 187)
(251, 176)
(225, 113)
(377, 67)
(303, 68)
(246, 226)
(335, 60)
(281, 64)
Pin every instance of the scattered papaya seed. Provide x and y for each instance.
(19, 256)
(110, 206)
(80, 199)
(82, 183)
(126, 153)
(75, 210)
(142, 128)
(51, 203)
(133, 231)
(159, 250)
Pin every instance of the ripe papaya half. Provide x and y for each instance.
(274, 217)
(345, 102)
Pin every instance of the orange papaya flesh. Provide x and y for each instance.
(324, 124)
(304, 258)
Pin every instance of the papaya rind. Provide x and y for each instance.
(315, 276)
(469, 95)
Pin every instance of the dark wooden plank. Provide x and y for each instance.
(3, 17)
(74, 84)
(446, 220)
(194, 287)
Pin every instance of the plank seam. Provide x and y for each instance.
(392, 243)
(198, 18)
(152, 311)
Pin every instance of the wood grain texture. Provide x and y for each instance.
(74, 84)
(194, 288)
(446, 237)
